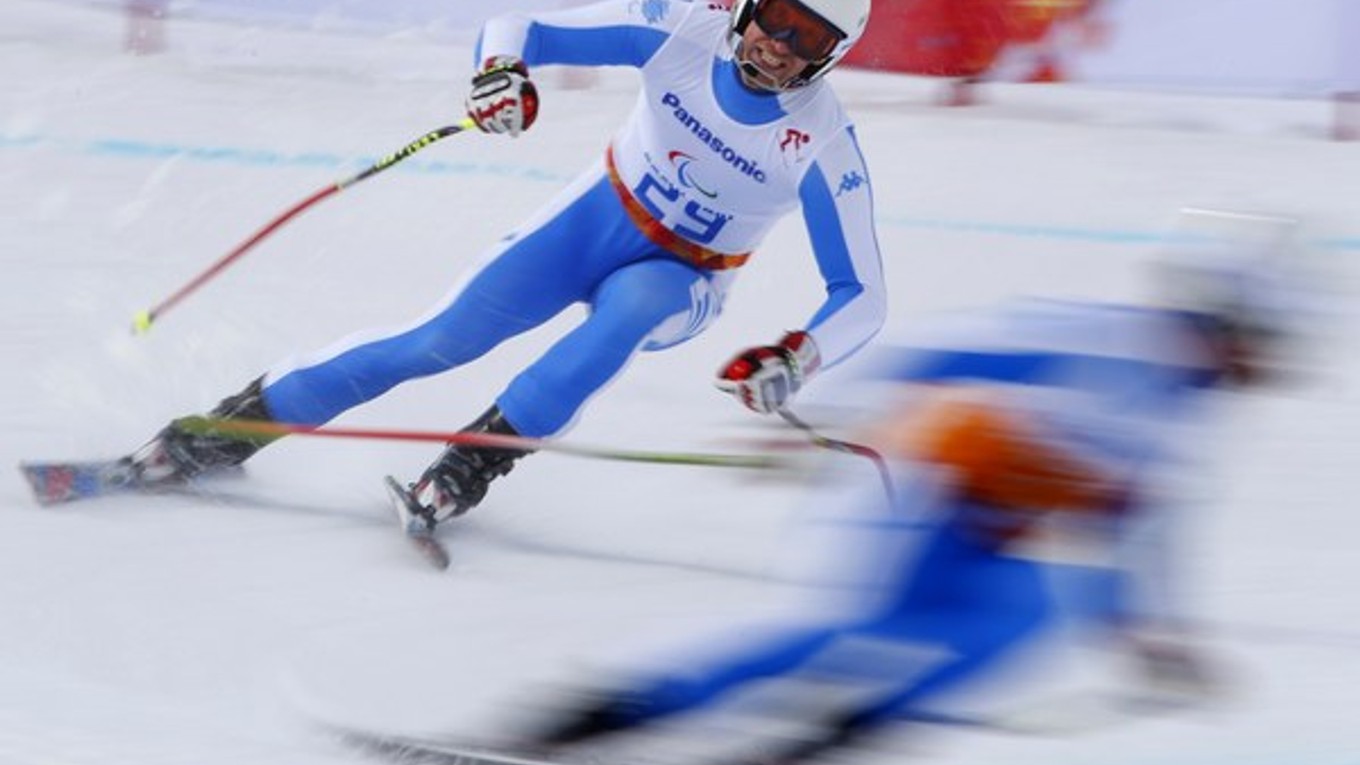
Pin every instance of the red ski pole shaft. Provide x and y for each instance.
(265, 430)
(143, 320)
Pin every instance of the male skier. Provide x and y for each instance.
(733, 128)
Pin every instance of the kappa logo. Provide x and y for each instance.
(849, 182)
(792, 144)
(683, 169)
(654, 11)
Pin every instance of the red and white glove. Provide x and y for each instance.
(766, 377)
(503, 99)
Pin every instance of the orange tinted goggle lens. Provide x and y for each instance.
(808, 35)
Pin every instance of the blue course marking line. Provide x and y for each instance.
(11, 141)
(1096, 235)
(137, 149)
(1103, 236)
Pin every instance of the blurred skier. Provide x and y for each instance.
(734, 127)
(1019, 423)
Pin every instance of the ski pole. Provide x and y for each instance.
(261, 429)
(845, 447)
(141, 323)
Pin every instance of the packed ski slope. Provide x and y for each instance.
(145, 630)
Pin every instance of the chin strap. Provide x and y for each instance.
(753, 72)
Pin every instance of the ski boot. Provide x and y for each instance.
(588, 716)
(189, 446)
(458, 480)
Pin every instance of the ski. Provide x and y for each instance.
(417, 751)
(413, 524)
(1074, 712)
(55, 483)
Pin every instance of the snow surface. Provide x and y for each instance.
(215, 630)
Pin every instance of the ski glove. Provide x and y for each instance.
(766, 377)
(503, 99)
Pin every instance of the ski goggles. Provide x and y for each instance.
(809, 36)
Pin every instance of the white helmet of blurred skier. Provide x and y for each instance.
(820, 31)
(1242, 275)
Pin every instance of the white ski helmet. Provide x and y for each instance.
(848, 17)
(1243, 277)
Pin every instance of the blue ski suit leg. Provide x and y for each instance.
(967, 598)
(955, 595)
(581, 249)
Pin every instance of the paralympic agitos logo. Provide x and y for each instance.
(682, 162)
(729, 155)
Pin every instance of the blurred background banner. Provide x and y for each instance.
(953, 38)
(1304, 47)
(459, 19)
(1301, 51)
(1245, 47)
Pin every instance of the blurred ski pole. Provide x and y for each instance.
(141, 323)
